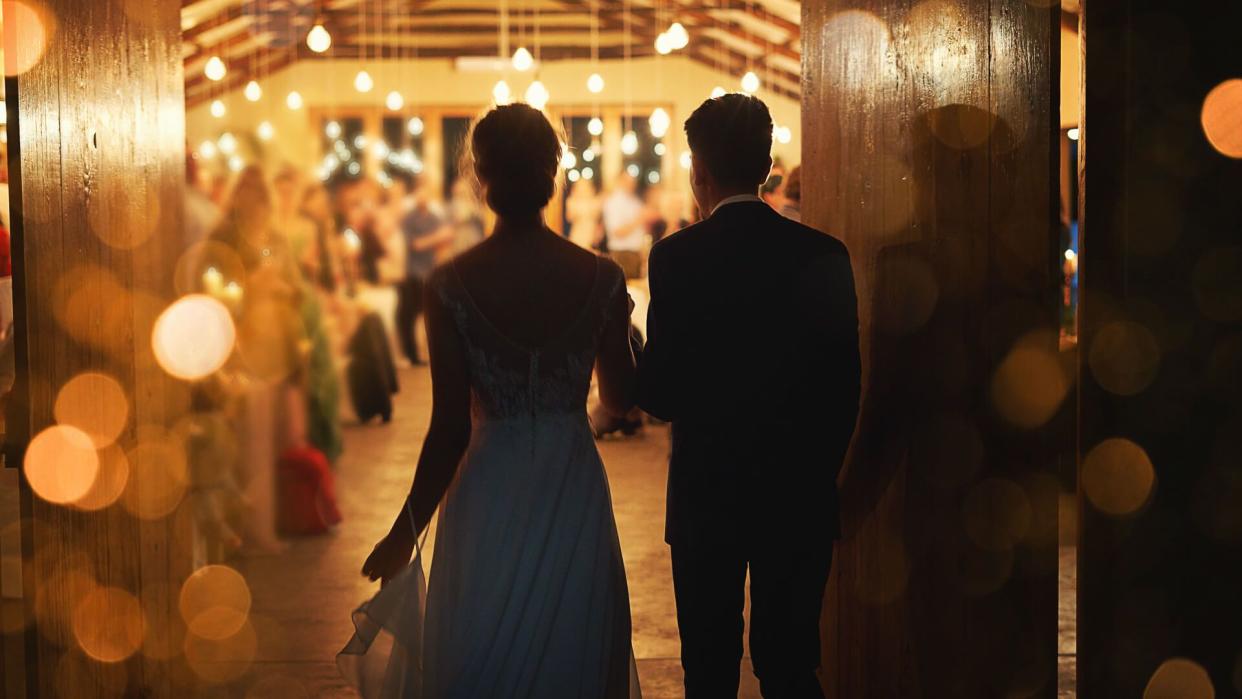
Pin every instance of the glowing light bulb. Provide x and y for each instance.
(684, 160)
(653, 177)
(659, 122)
(595, 83)
(363, 82)
(332, 129)
(782, 134)
(663, 45)
(1072, 134)
(678, 36)
(588, 155)
(215, 69)
(227, 143)
(718, 92)
(658, 148)
(217, 109)
(236, 163)
(207, 149)
(318, 39)
(253, 92)
(587, 173)
(360, 141)
(537, 95)
(394, 101)
(414, 126)
(573, 175)
(265, 131)
(293, 100)
(629, 143)
(750, 82)
(568, 159)
(522, 60)
(501, 93)
(193, 337)
(380, 150)
(595, 126)
(632, 169)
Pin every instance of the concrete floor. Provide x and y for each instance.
(303, 597)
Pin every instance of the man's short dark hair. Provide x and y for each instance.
(731, 136)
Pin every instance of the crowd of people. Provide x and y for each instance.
(326, 284)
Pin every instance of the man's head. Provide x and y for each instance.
(730, 138)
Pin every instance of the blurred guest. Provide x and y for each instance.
(324, 267)
(625, 226)
(793, 195)
(287, 218)
(426, 233)
(201, 214)
(466, 215)
(582, 209)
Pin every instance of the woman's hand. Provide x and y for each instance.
(389, 557)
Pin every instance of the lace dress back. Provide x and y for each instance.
(527, 594)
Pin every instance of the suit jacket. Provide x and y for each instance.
(752, 355)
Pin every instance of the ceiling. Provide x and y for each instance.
(258, 37)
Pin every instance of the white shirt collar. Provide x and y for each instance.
(735, 199)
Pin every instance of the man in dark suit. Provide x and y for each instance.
(752, 355)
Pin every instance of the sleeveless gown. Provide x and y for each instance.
(527, 594)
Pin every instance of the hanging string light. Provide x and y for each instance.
(501, 94)
(595, 83)
(537, 95)
(318, 39)
(750, 82)
(217, 109)
(629, 143)
(265, 131)
(522, 60)
(214, 69)
(252, 91)
(595, 126)
(363, 82)
(659, 122)
(678, 37)
(293, 100)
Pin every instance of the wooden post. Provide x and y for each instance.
(97, 211)
(929, 148)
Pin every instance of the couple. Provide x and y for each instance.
(752, 356)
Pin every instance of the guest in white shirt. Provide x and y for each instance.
(625, 226)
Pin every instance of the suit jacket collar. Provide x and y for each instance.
(735, 199)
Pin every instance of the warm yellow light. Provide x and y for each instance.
(293, 100)
(61, 464)
(193, 337)
(318, 39)
(415, 127)
(501, 93)
(568, 159)
(537, 95)
(236, 164)
(595, 126)
(1072, 134)
(663, 45)
(678, 37)
(110, 481)
(252, 91)
(363, 82)
(782, 134)
(1117, 477)
(159, 475)
(595, 83)
(659, 122)
(522, 60)
(33, 25)
(394, 101)
(629, 143)
(750, 82)
(217, 109)
(215, 69)
(265, 131)
(718, 92)
(1221, 120)
(215, 602)
(227, 143)
(207, 149)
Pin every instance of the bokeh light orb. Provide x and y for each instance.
(215, 602)
(193, 337)
(61, 464)
(1117, 477)
(1179, 678)
(32, 26)
(1124, 357)
(94, 403)
(109, 483)
(1222, 118)
(109, 624)
(159, 475)
(1029, 385)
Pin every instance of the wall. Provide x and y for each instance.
(674, 82)
(929, 149)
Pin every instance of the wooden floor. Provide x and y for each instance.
(303, 597)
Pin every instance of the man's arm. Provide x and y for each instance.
(836, 365)
(655, 391)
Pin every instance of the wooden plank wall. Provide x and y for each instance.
(929, 147)
(1159, 565)
(100, 173)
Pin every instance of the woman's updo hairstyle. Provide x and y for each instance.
(516, 154)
